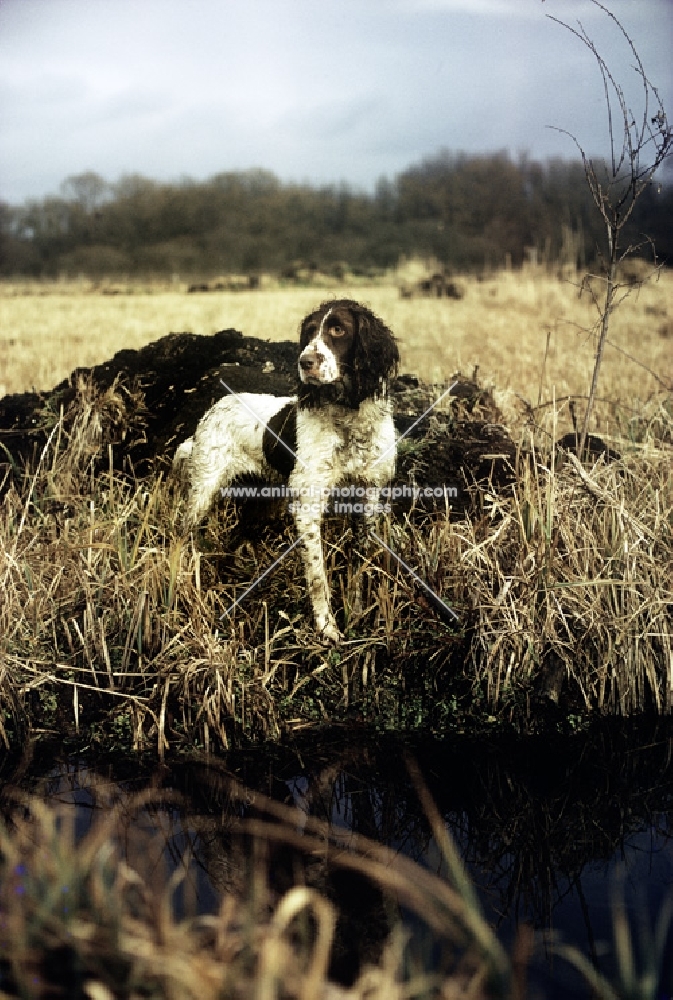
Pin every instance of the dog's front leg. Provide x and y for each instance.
(316, 579)
(308, 519)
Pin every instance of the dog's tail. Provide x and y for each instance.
(182, 456)
(180, 467)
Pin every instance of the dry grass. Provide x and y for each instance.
(576, 571)
(93, 919)
(109, 615)
(100, 917)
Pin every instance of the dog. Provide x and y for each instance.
(340, 422)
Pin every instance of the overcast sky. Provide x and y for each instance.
(314, 90)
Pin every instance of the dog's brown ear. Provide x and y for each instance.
(376, 356)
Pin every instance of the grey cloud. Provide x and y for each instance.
(330, 91)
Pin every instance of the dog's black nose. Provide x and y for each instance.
(308, 361)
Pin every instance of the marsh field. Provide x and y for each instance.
(566, 573)
(197, 879)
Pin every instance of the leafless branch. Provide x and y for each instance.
(630, 171)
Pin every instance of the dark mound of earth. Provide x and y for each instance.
(147, 401)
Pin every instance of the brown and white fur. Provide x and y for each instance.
(344, 431)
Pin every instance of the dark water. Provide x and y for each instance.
(556, 832)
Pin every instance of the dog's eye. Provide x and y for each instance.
(337, 331)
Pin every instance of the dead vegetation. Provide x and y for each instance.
(559, 575)
(80, 920)
(312, 910)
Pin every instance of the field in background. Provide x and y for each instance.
(501, 325)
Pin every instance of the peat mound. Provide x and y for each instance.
(162, 389)
(146, 401)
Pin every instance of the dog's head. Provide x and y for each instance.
(347, 354)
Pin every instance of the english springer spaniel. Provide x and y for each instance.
(344, 432)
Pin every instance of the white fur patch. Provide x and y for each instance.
(328, 363)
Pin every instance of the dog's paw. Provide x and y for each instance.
(329, 633)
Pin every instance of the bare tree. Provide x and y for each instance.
(639, 144)
(89, 190)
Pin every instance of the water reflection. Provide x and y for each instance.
(550, 829)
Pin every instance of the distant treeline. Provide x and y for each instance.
(472, 213)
